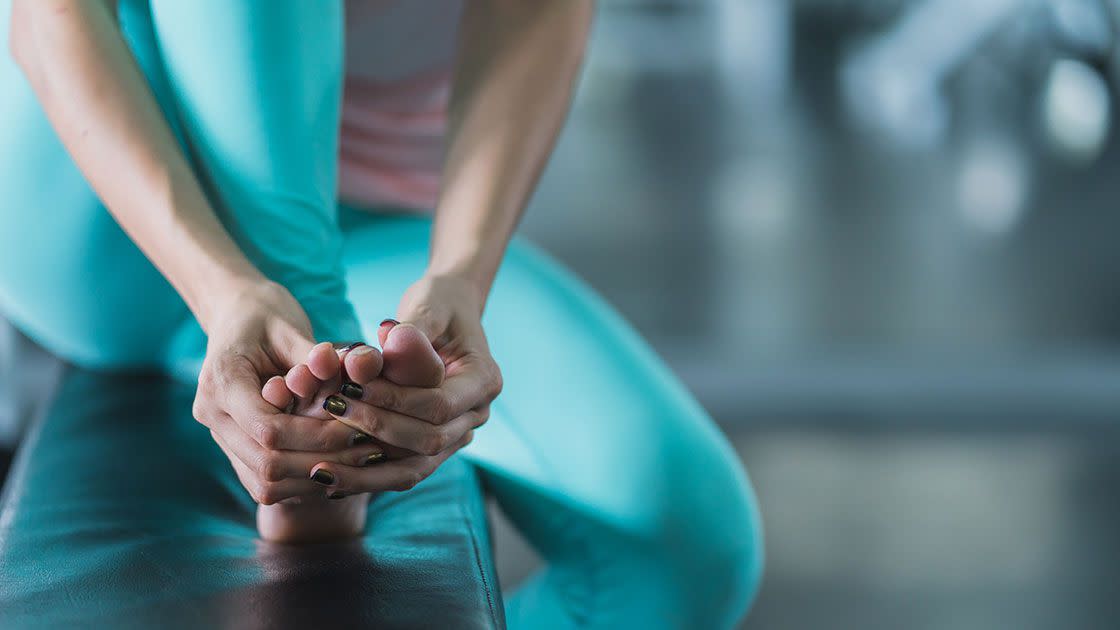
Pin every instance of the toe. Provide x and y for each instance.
(323, 361)
(383, 330)
(276, 393)
(410, 358)
(363, 364)
(302, 382)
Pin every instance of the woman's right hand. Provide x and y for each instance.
(254, 338)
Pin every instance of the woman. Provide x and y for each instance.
(262, 158)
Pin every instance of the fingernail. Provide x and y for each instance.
(334, 496)
(323, 477)
(335, 405)
(352, 346)
(360, 438)
(374, 458)
(388, 320)
(352, 391)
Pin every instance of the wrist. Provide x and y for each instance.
(236, 296)
(217, 297)
(460, 284)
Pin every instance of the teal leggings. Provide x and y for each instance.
(610, 469)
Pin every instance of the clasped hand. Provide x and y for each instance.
(346, 420)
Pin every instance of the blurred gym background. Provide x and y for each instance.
(878, 239)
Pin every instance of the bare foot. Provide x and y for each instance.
(409, 359)
(316, 518)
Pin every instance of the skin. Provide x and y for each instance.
(263, 379)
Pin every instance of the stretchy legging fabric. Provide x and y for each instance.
(600, 457)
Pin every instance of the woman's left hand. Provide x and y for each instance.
(434, 421)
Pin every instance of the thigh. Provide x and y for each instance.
(589, 415)
(598, 454)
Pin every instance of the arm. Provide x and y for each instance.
(514, 79)
(268, 169)
(99, 103)
(517, 65)
(258, 99)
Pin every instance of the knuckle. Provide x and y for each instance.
(441, 410)
(391, 399)
(268, 494)
(206, 379)
(434, 443)
(267, 435)
(495, 382)
(328, 440)
(270, 468)
(256, 490)
(409, 480)
(200, 410)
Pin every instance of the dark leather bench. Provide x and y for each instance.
(121, 512)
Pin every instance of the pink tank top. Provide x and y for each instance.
(399, 55)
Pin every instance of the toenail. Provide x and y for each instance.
(323, 477)
(360, 438)
(388, 320)
(352, 391)
(335, 405)
(352, 346)
(360, 350)
(374, 458)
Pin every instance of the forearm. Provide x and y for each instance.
(259, 101)
(514, 78)
(99, 102)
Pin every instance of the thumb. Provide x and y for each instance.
(290, 346)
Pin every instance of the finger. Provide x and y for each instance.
(410, 358)
(458, 394)
(263, 491)
(285, 431)
(276, 392)
(273, 465)
(323, 361)
(398, 475)
(299, 432)
(414, 434)
(362, 364)
(291, 345)
(302, 382)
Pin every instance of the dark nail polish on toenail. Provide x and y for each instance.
(352, 391)
(375, 458)
(388, 320)
(323, 477)
(334, 496)
(335, 405)
(360, 438)
(352, 346)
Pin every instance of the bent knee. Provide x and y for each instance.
(723, 567)
(713, 541)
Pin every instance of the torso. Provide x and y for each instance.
(399, 55)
